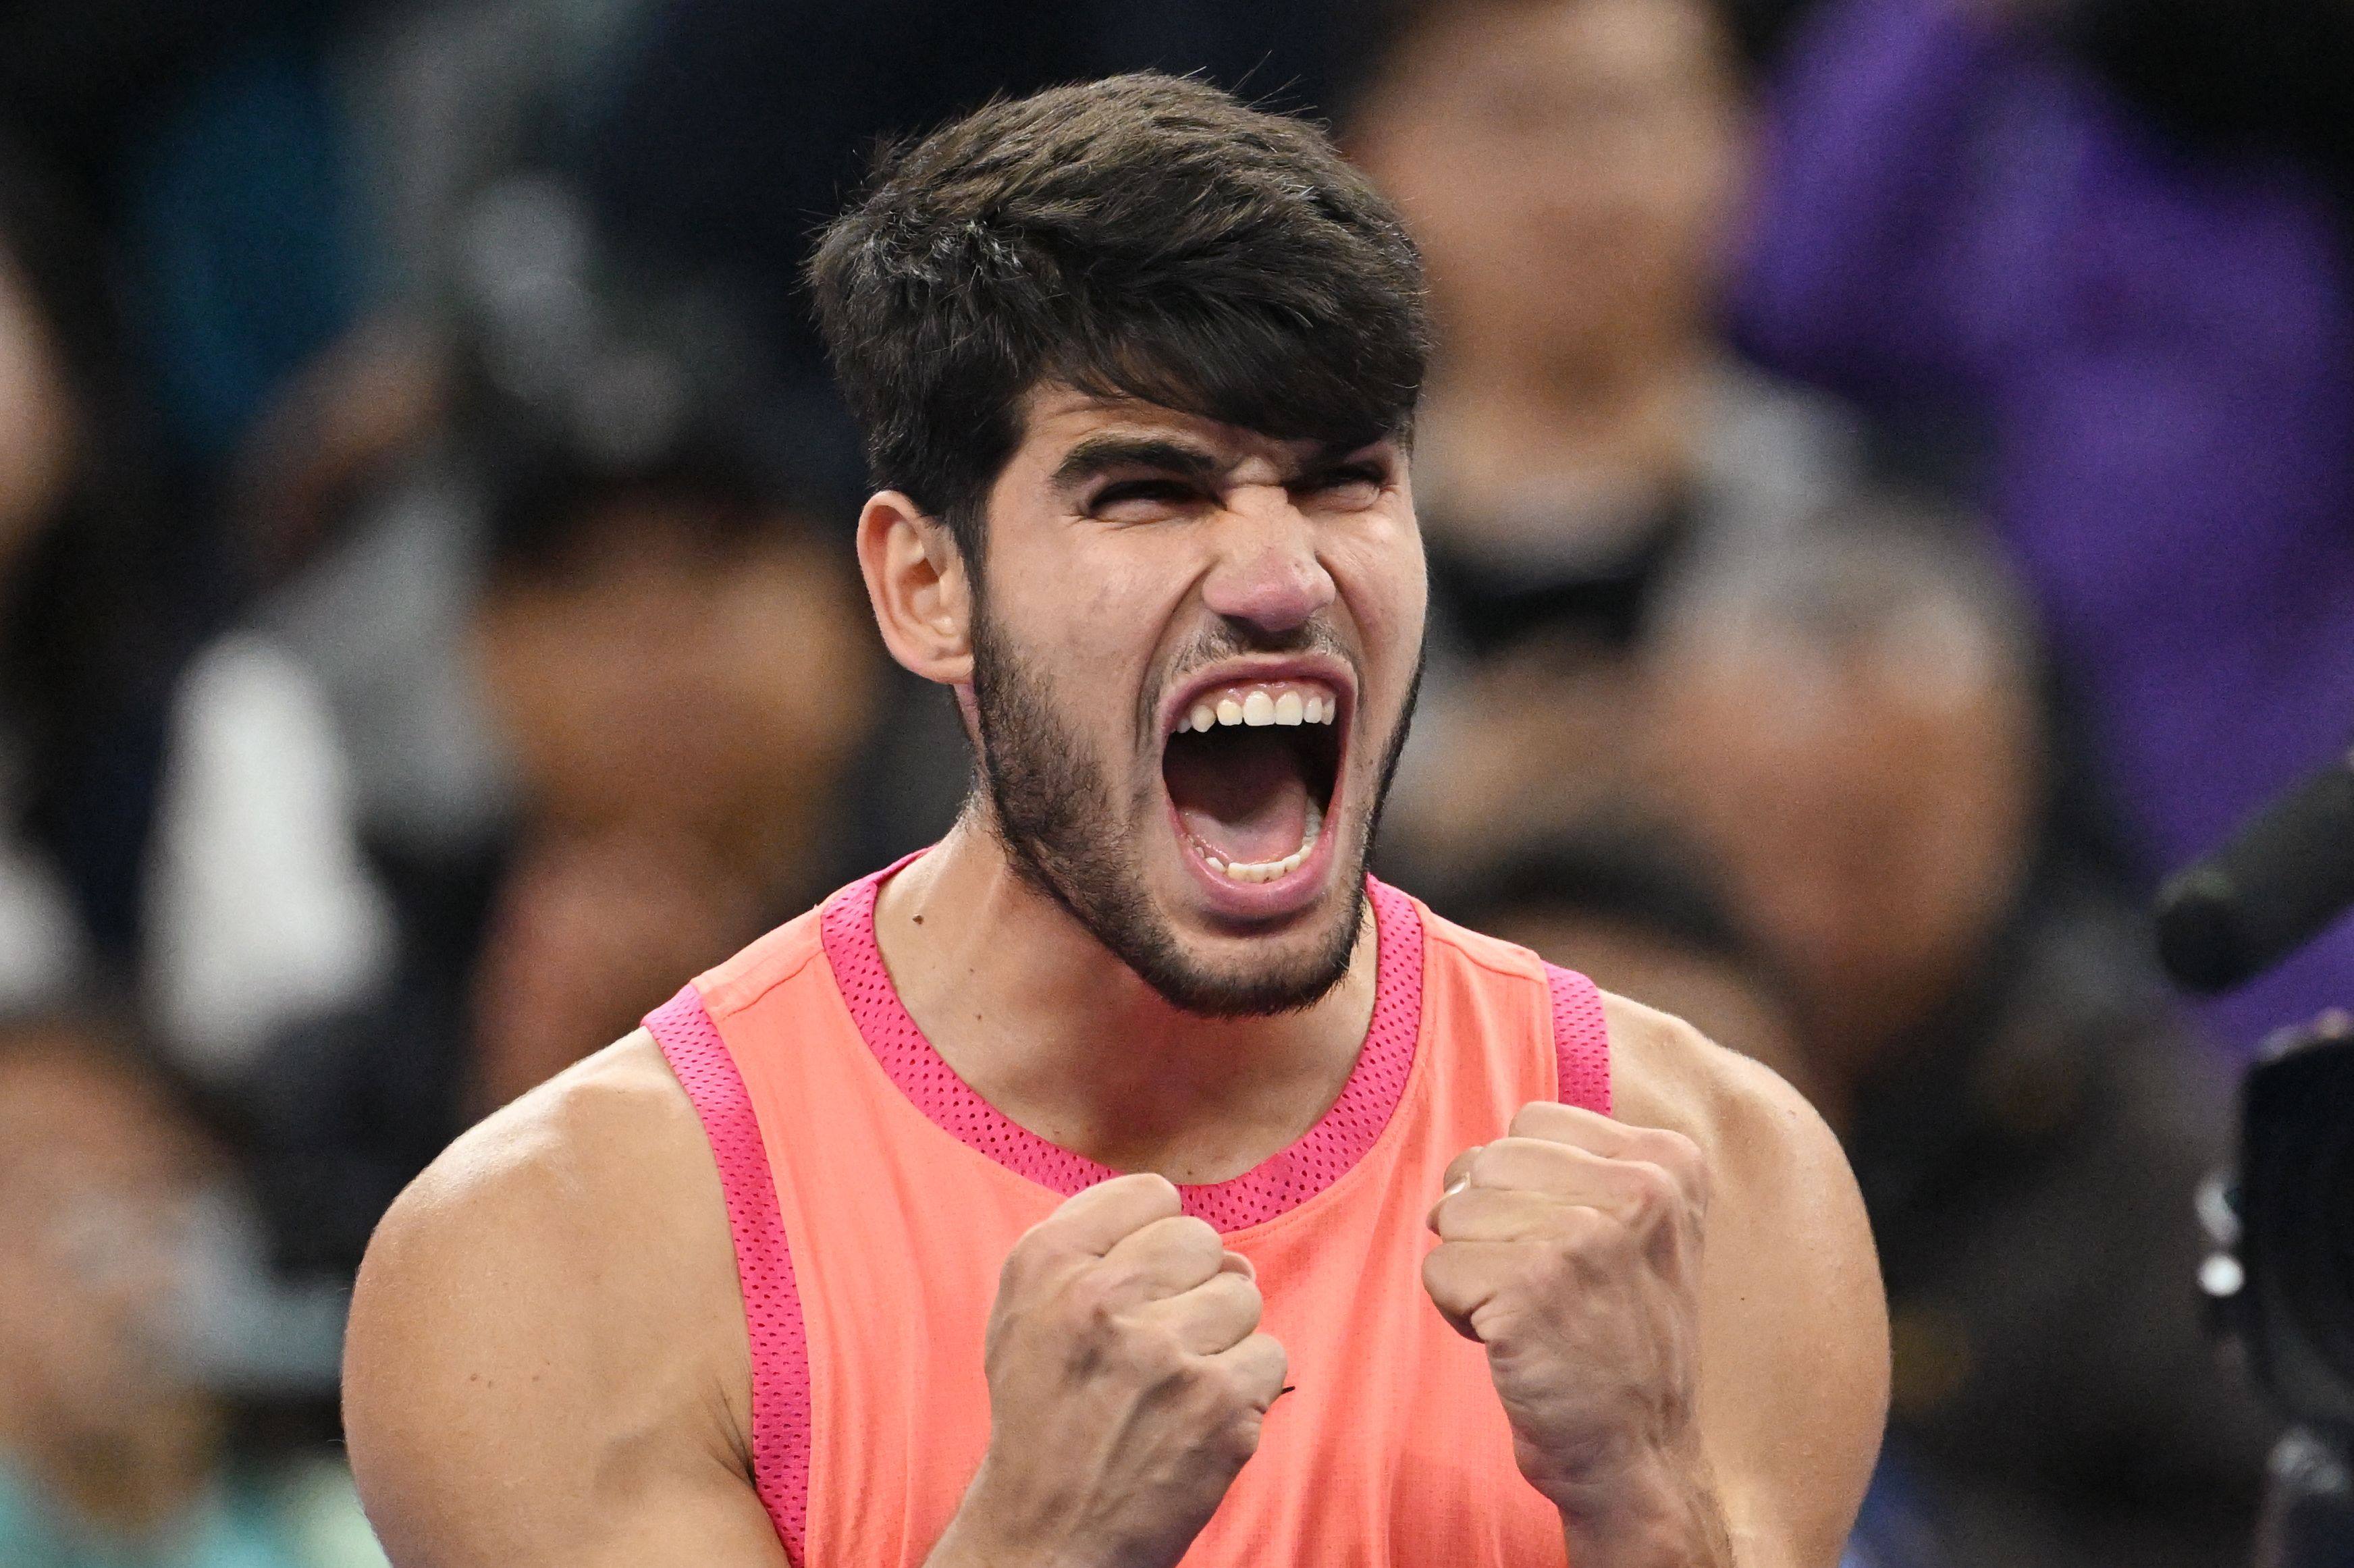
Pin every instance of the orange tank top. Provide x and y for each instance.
(873, 1196)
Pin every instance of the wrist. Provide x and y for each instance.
(998, 1527)
(964, 1545)
(1658, 1509)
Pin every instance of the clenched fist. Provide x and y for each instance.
(1571, 1249)
(1126, 1381)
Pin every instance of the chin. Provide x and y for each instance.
(1253, 977)
(1212, 963)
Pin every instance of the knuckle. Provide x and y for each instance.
(1279, 1360)
(1158, 1364)
(1490, 1165)
(1653, 1192)
(1090, 1299)
(1582, 1232)
(1678, 1154)
(1024, 1260)
(1194, 1232)
(1157, 1192)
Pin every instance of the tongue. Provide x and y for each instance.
(1243, 795)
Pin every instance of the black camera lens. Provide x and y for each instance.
(2297, 1210)
(2315, 1250)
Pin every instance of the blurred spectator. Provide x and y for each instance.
(1629, 910)
(683, 669)
(676, 664)
(2123, 268)
(110, 1453)
(157, 820)
(41, 935)
(1570, 169)
(1853, 731)
(100, 600)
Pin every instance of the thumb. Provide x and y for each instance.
(1458, 1171)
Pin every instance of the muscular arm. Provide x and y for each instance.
(1680, 1307)
(547, 1362)
(1793, 1323)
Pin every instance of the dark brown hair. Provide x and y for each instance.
(1142, 235)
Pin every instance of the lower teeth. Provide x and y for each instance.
(1268, 870)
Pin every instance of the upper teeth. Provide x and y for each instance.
(1283, 703)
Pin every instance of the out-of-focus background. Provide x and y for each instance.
(1889, 479)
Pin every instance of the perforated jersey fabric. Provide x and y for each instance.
(764, 1264)
(1282, 1181)
(1581, 1040)
(692, 1044)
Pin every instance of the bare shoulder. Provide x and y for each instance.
(547, 1322)
(1747, 1119)
(1794, 1385)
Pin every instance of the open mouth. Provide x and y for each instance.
(1250, 768)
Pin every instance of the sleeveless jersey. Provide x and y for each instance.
(873, 1196)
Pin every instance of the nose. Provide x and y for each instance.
(1267, 573)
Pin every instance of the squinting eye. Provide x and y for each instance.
(1148, 495)
(1353, 486)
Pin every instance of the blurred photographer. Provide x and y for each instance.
(2101, 247)
(1857, 734)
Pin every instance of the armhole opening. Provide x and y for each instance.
(691, 1044)
(1581, 1040)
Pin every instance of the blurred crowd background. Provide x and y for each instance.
(1889, 483)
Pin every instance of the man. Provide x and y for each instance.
(2105, 245)
(1857, 732)
(1586, 441)
(1137, 367)
(1637, 909)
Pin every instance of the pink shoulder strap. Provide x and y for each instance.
(1581, 1040)
(690, 1043)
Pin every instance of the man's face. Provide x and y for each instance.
(657, 624)
(1195, 656)
(1568, 167)
(1873, 815)
(96, 1183)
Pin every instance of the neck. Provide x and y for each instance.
(1054, 1031)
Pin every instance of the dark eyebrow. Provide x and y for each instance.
(1101, 454)
(1338, 454)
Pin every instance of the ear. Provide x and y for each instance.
(915, 579)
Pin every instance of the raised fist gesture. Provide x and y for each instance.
(1126, 1381)
(1571, 1249)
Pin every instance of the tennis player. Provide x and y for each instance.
(1129, 1179)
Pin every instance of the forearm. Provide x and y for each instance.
(1667, 1516)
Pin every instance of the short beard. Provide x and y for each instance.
(1059, 820)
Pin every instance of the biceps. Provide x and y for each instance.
(488, 1440)
(456, 1506)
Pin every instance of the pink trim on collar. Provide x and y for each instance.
(1283, 1180)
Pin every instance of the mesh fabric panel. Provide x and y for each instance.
(1581, 1040)
(1280, 1182)
(764, 1263)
